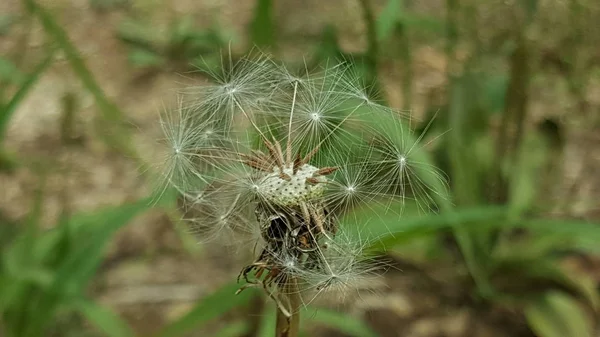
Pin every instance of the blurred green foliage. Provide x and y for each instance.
(493, 209)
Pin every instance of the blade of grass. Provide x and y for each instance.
(262, 29)
(558, 315)
(267, 324)
(210, 307)
(586, 235)
(110, 111)
(395, 229)
(235, 329)
(372, 53)
(388, 18)
(13, 103)
(338, 321)
(104, 319)
(75, 270)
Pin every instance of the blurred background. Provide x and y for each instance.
(510, 91)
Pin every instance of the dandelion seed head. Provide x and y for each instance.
(285, 159)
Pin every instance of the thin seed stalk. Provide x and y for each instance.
(289, 326)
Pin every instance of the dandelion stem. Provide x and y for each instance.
(288, 325)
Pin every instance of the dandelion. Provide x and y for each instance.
(276, 160)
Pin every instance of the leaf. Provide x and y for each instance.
(423, 23)
(388, 19)
(527, 173)
(494, 90)
(209, 307)
(9, 72)
(143, 58)
(6, 23)
(558, 315)
(233, 330)
(391, 229)
(262, 28)
(585, 235)
(75, 269)
(94, 231)
(536, 270)
(7, 111)
(531, 8)
(342, 322)
(109, 111)
(140, 36)
(104, 319)
(464, 120)
(268, 321)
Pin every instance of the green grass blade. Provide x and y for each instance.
(585, 235)
(110, 112)
(339, 321)
(268, 322)
(210, 307)
(95, 232)
(391, 229)
(10, 107)
(235, 329)
(9, 73)
(558, 315)
(388, 19)
(262, 29)
(104, 319)
(78, 266)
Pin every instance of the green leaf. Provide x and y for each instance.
(104, 319)
(390, 228)
(94, 230)
(210, 307)
(531, 8)
(526, 176)
(342, 322)
(140, 36)
(78, 266)
(6, 23)
(423, 23)
(494, 90)
(535, 270)
(109, 111)
(262, 28)
(143, 58)
(7, 111)
(9, 72)
(558, 315)
(585, 235)
(233, 330)
(388, 18)
(268, 321)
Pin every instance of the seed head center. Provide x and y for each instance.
(286, 188)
